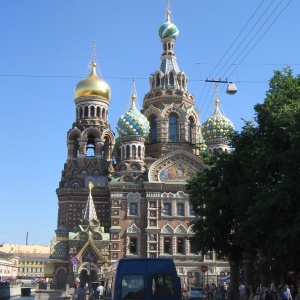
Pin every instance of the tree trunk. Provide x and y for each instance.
(248, 269)
(234, 279)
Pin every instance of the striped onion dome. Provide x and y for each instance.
(217, 125)
(133, 122)
(168, 29)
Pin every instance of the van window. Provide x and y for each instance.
(133, 287)
(161, 286)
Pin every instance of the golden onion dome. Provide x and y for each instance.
(93, 86)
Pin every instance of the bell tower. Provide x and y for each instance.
(168, 106)
(90, 144)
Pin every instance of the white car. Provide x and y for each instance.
(194, 293)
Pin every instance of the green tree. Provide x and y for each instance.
(247, 201)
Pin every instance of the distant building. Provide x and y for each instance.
(31, 258)
(9, 266)
(23, 248)
(32, 264)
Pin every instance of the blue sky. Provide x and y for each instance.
(46, 47)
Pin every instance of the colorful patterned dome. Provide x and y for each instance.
(168, 29)
(216, 126)
(133, 122)
(93, 86)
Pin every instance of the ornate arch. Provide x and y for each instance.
(167, 229)
(74, 134)
(91, 131)
(133, 229)
(192, 113)
(180, 229)
(152, 111)
(173, 109)
(175, 160)
(109, 134)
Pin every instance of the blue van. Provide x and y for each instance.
(142, 278)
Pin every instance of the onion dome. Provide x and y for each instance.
(168, 29)
(93, 86)
(133, 122)
(217, 125)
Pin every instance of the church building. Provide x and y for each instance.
(126, 196)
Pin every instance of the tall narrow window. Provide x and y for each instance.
(127, 151)
(167, 245)
(134, 151)
(157, 81)
(86, 111)
(180, 245)
(133, 245)
(90, 147)
(180, 210)
(191, 131)
(133, 209)
(172, 128)
(167, 209)
(171, 79)
(153, 130)
(92, 111)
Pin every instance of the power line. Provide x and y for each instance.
(261, 37)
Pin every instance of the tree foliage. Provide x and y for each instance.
(248, 200)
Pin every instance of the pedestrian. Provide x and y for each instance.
(219, 291)
(100, 290)
(80, 292)
(269, 295)
(242, 290)
(273, 287)
(207, 289)
(285, 293)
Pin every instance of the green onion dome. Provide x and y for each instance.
(217, 125)
(133, 122)
(168, 29)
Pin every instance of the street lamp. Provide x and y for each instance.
(231, 87)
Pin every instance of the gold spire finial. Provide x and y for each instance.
(93, 63)
(91, 185)
(133, 92)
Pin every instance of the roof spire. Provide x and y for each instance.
(93, 63)
(168, 12)
(94, 56)
(133, 92)
(90, 211)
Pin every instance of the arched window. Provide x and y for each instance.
(90, 147)
(134, 151)
(153, 130)
(172, 128)
(92, 111)
(98, 111)
(127, 151)
(86, 111)
(157, 80)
